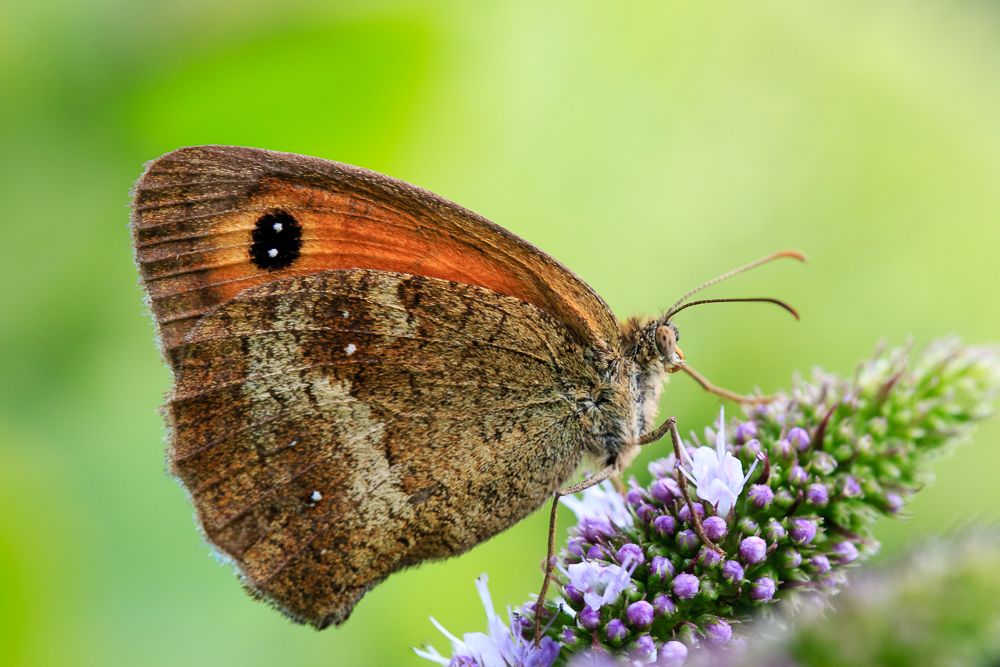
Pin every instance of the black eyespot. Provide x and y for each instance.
(277, 241)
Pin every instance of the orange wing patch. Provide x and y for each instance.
(196, 209)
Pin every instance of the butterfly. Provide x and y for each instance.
(366, 375)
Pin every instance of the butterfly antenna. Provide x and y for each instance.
(794, 254)
(777, 302)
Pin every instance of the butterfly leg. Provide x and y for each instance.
(725, 393)
(671, 425)
(550, 557)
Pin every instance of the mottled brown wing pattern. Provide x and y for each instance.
(335, 427)
(195, 211)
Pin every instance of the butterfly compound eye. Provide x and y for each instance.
(666, 341)
(276, 241)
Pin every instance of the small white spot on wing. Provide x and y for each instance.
(316, 496)
(277, 227)
(273, 252)
(350, 349)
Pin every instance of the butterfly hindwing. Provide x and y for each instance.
(335, 427)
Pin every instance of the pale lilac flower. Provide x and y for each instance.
(600, 583)
(715, 527)
(502, 647)
(717, 474)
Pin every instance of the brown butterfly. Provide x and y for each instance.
(366, 375)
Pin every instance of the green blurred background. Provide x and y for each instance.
(648, 145)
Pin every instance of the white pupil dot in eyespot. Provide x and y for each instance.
(273, 252)
(316, 496)
(277, 227)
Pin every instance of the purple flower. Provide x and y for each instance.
(715, 527)
(567, 636)
(502, 646)
(816, 495)
(799, 438)
(634, 497)
(760, 495)
(686, 586)
(639, 615)
(661, 568)
(687, 540)
(718, 632)
(672, 654)
(631, 552)
(663, 605)
(747, 526)
(665, 490)
(797, 475)
(732, 571)
(599, 583)
(802, 531)
(615, 631)
(595, 552)
(594, 528)
(819, 564)
(852, 489)
(665, 525)
(845, 552)
(753, 550)
(589, 618)
(762, 589)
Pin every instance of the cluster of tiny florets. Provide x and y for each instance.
(688, 559)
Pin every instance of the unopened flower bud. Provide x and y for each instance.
(762, 589)
(753, 550)
(631, 553)
(816, 495)
(639, 615)
(732, 572)
(665, 525)
(616, 632)
(663, 605)
(715, 527)
(760, 495)
(686, 586)
(799, 438)
(745, 432)
(589, 618)
(802, 531)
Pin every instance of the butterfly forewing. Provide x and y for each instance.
(335, 427)
(204, 229)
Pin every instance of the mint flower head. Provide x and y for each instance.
(648, 575)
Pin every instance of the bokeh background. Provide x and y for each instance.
(648, 145)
